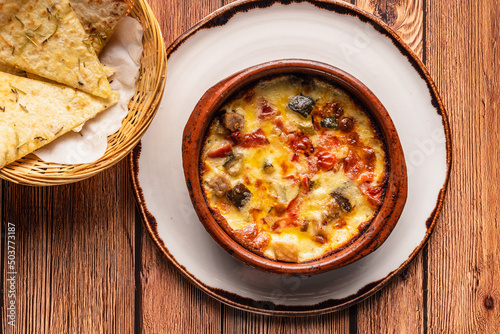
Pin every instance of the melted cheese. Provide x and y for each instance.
(293, 206)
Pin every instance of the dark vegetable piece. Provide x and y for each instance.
(239, 195)
(346, 124)
(233, 121)
(329, 122)
(368, 157)
(343, 202)
(301, 104)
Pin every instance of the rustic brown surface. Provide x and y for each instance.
(74, 255)
(464, 261)
(85, 264)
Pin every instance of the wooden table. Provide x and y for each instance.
(85, 263)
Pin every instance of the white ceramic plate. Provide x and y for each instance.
(252, 32)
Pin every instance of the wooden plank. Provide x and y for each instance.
(464, 266)
(403, 16)
(74, 258)
(171, 304)
(168, 302)
(236, 321)
(399, 307)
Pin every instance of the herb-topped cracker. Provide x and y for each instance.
(45, 37)
(99, 18)
(34, 113)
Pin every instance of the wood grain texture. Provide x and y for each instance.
(74, 255)
(242, 322)
(168, 302)
(403, 16)
(399, 307)
(463, 55)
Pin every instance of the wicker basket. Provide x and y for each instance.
(30, 170)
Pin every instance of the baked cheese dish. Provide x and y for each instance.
(293, 168)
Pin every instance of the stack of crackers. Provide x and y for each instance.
(51, 79)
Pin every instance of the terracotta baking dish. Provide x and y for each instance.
(372, 235)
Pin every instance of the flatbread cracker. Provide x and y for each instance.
(45, 37)
(99, 18)
(34, 113)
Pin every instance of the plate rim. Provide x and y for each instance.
(220, 17)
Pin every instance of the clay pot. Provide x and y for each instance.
(372, 235)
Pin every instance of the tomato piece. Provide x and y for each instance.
(293, 206)
(328, 142)
(300, 142)
(305, 183)
(326, 160)
(267, 110)
(312, 163)
(254, 139)
(373, 192)
(340, 224)
(352, 165)
(220, 151)
(366, 177)
(280, 124)
(295, 157)
(234, 137)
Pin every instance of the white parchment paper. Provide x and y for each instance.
(123, 53)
